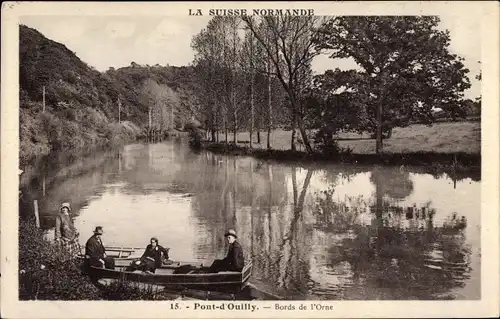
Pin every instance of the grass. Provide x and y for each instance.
(458, 137)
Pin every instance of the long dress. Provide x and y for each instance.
(67, 235)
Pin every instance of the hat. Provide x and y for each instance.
(231, 232)
(67, 205)
(98, 230)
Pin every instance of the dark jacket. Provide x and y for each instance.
(155, 253)
(64, 228)
(234, 260)
(94, 248)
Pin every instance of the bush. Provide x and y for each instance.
(194, 139)
(125, 290)
(326, 144)
(46, 272)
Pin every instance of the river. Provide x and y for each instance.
(313, 232)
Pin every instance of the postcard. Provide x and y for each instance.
(250, 159)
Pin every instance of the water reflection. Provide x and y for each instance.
(318, 232)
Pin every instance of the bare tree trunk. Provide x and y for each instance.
(172, 115)
(235, 132)
(149, 122)
(294, 122)
(213, 134)
(269, 105)
(303, 132)
(378, 146)
(225, 126)
(251, 91)
(233, 85)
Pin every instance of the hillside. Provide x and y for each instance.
(81, 103)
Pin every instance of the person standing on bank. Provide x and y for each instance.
(151, 259)
(95, 252)
(234, 260)
(65, 232)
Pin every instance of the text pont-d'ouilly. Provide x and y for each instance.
(257, 12)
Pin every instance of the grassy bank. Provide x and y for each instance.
(462, 161)
(445, 147)
(449, 137)
(47, 273)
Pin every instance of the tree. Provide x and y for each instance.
(204, 46)
(288, 42)
(479, 77)
(151, 96)
(248, 68)
(406, 68)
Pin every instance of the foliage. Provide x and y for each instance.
(48, 273)
(45, 271)
(81, 104)
(289, 44)
(125, 290)
(326, 143)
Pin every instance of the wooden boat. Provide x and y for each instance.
(119, 252)
(174, 274)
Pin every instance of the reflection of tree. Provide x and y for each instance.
(81, 179)
(294, 266)
(417, 262)
(394, 183)
(336, 216)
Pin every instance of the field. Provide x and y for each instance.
(447, 137)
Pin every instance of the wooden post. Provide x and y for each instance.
(43, 110)
(172, 116)
(119, 110)
(37, 217)
(43, 186)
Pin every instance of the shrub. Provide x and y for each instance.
(326, 143)
(125, 290)
(195, 139)
(46, 272)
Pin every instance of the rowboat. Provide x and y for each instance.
(173, 274)
(124, 253)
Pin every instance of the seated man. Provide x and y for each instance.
(234, 261)
(95, 252)
(151, 259)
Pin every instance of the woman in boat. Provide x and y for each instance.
(65, 232)
(151, 259)
(234, 260)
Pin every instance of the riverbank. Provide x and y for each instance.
(85, 130)
(447, 137)
(451, 163)
(449, 146)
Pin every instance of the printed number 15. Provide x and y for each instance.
(174, 306)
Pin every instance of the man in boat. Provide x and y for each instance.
(234, 260)
(95, 253)
(65, 232)
(153, 257)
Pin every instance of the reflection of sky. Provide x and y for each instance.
(465, 199)
(144, 195)
(130, 221)
(440, 193)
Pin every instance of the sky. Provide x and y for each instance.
(104, 41)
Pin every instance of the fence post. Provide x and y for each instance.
(37, 217)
